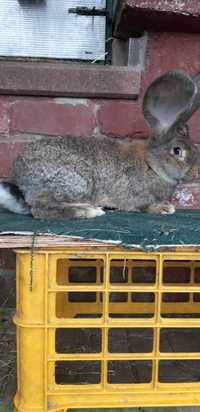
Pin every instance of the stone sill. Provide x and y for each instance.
(29, 78)
(135, 16)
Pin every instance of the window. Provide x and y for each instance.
(77, 30)
(40, 38)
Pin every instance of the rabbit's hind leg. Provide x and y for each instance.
(67, 210)
(165, 208)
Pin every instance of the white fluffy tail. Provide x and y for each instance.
(11, 198)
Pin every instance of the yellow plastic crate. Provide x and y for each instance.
(107, 328)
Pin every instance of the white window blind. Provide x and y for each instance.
(45, 28)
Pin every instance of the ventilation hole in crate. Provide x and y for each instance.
(118, 271)
(82, 274)
(143, 297)
(78, 340)
(77, 372)
(118, 297)
(179, 305)
(144, 271)
(179, 371)
(82, 297)
(197, 275)
(176, 272)
(79, 271)
(196, 297)
(138, 305)
(176, 297)
(130, 340)
(78, 305)
(129, 372)
(179, 340)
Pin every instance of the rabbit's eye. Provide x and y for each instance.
(177, 151)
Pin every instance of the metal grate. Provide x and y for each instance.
(47, 29)
(109, 327)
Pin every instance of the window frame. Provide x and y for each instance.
(58, 78)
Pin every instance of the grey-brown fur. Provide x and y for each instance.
(72, 177)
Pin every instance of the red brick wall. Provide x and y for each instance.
(24, 118)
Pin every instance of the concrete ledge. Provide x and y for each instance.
(60, 79)
(135, 16)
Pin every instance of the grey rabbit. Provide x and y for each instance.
(70, 177)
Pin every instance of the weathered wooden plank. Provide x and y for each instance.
(20, 240)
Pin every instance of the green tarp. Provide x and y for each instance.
(128, 229)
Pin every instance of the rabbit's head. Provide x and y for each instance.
(168, 104)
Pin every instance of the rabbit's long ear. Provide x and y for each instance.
(196, 80)
(168, 102)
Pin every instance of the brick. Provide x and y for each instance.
(8, 153)
(168, 51)
(4, 115)
(121, 119)
(194, 124)
(44, 116)
(158, 15)
(187, 196)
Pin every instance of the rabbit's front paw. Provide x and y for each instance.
(165, 208)
(94, 212)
